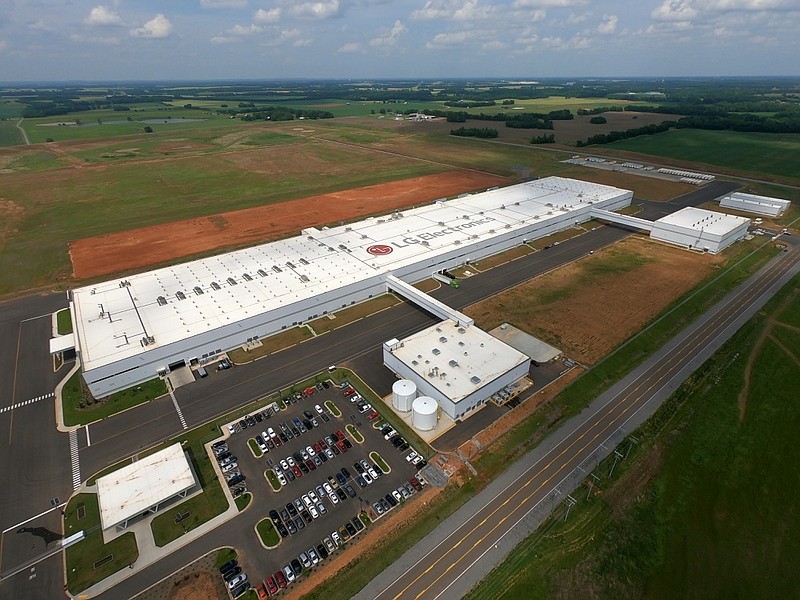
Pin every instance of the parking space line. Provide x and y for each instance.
(88, 441)
(26, 402)
(75, 459)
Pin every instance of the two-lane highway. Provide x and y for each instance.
(453, 564)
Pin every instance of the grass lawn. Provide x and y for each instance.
(64, 321)
(273, 480)
(243, 501)
(354, 313)
(9, 134)
(271, 344)
(354, 433)
(333, 408)
(224, 555)
(757, 153)
(704, 508)
(81, 408)
(254, 448)
(82, 558)
(266, 531)
(378, 460)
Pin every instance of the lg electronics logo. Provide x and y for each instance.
(380, 250)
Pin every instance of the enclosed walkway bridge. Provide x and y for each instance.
(423, 300)
(628, 220)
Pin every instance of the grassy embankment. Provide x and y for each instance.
(705, 504)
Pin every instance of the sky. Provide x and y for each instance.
(55, 40)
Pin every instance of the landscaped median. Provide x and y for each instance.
(354, 433)
(378, 460)
(334, 410)
(273, 480)
(254, 448)
(90, 560)
(267, 534)
(64, 322)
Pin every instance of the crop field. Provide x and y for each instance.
(756, 153)
(706, 506)
(9, 134)
(589, 307)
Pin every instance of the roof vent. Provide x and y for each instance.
(161, 301)
(180, 296)
(215, 285)
(475, 379)
(247, 277)
(262, 272)
(198, 290)
(290, 265)
(436, 352)
(443, 339)
(231, 281)
(303, 261)
(453, 363)
(277, 269)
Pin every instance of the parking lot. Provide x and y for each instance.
(327, 475)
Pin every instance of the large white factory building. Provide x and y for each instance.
(130, 330)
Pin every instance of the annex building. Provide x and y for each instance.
(130, 330)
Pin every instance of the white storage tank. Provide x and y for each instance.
(403, 393)
(425, 413)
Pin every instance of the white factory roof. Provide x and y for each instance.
(141, 485)
(457, 360)
(403, 238)
(122, 318)
(698, 219)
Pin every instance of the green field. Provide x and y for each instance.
(9, 134)
(706, 506)
(754, 153)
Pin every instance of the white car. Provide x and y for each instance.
(289, 572)
(241, 578)
(313, 496)
(321, 508)
(336, 538)
(327, 487)
(366, 477)
(281, 479)
(310, 451)
(397, 495)
(229, 467)
(271, 432)
(416, 459)
(318, 408)
(372, 473)
(411, 456)
(290, 460)
(314, 514)
(307, 501)
(285, 465)
(333, 498)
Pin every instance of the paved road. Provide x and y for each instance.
(40, 465)
(463, 550)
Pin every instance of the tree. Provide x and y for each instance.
(598, 120)
(148, 129)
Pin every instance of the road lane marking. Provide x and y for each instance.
(710, 328)
(178, 410)
(74, 459)
(41, 514)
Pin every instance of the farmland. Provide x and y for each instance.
(755, 153)
(707, 513)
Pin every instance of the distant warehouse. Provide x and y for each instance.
(130, 330)
(760, 205)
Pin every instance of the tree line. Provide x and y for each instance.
(478, 132)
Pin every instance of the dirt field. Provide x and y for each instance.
(112, 253)
(589, 307)
(204, 586)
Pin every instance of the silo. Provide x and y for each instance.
(424, 415)
(403, 393)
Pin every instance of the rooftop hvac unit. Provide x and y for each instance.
(198, 290)
(436, 352)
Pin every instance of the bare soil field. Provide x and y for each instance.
(644, 188)
(589, 307)
(203, 586)
(147, 246)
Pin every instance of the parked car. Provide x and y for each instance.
(241, 578)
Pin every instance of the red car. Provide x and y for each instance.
(373, 415)
(341, 446)
(297, 472)
(317, 448)
(261, 590)
(272, 587)
(281, 579)
(348, 392)
(340, 434)
(310, 464)
(322, 444)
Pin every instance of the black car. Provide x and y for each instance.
(350, 529)
(228, 566)
(243, 424)
(421, 464)
(236, 479)
(240, 589)
(326, 385)
(360, 481)
(347, 443)
(219, 444)
(403, 447)
(308, 424)
(359, 469)
(251, 422)
(291, 526)
(390, 499)
(323, 457)
(298, 521)
(357, 522)
(345, 472)
(297, 457)
(282, 437)
(296, 567)
(341, 494)
(306, 516)
(282, 530)
(335, 450)
(350, 491)
(231, 574)
(273, 514)
(325, 417)
(291, 509)
(308, 414)
(303, 467)
(223, 456)
(322, 551)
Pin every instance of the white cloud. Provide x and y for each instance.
(264, 17)
(450, 39)
(244, 30)
(157, 27)
(577, 42)
(302, 42)
(3, 45)
(608, 25)
(390, 37)
(39, 25)
(549, 3)
(223, 3)
(100, 15)
(325, 9)
(283, 37)
(350, 48)
(222, 39)
(674, 10)
(753, 5)
(84, 39)
(495, 45)
(456, 10)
